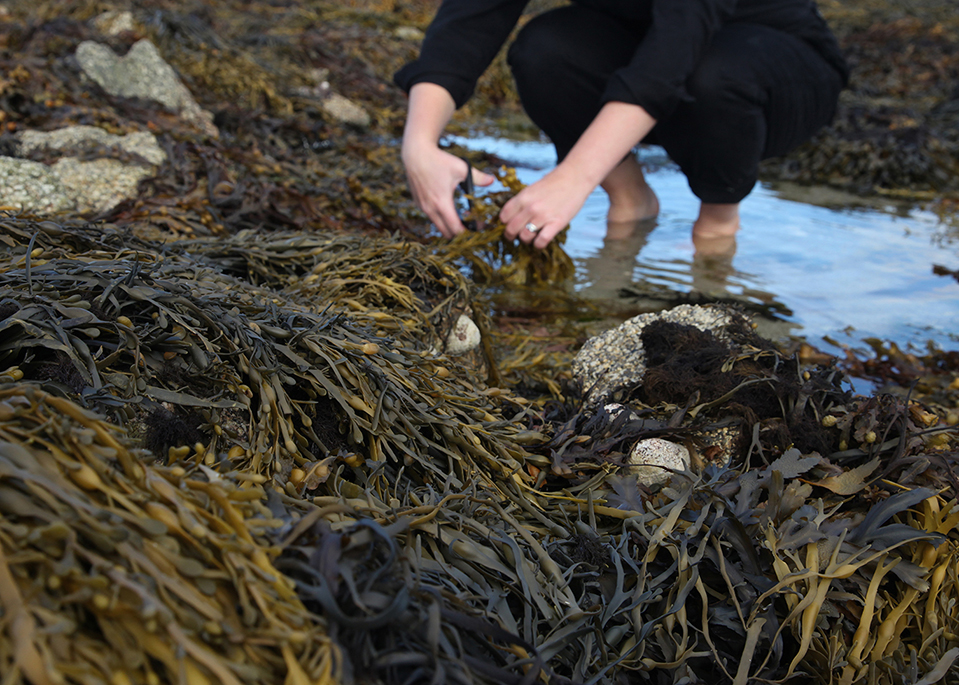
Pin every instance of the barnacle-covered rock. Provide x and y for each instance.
(72, 183)
(31, 186)
(616, 358)
(654, 460)
(76, 140)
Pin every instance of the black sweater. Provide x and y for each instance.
(466, 35)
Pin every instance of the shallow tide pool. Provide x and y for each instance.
(809, 262)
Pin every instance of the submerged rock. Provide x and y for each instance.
(142, 73)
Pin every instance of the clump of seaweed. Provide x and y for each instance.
(490, 259)
(364, 508)
(114, 570)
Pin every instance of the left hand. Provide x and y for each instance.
(549, 204)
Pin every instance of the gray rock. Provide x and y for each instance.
(142, 143)
(99, 185)
(616, 358)
(142, 73)
(70, 184)
(27, 186)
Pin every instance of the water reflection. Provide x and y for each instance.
(808, 261)
(618, 273)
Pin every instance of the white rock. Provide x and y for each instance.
(464, 337)
(409, 33)
(649, 456)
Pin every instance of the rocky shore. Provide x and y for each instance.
(290, 113)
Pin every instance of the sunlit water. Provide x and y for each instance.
(811, 263)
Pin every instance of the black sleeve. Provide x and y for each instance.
(460, 43)
(655, 77)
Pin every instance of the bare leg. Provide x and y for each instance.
(716, 221)
(630, 197)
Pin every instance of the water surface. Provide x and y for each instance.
(809, 262)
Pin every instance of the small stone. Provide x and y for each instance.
(464, 337)
(615, 409)
(114, 22)
(653, 460)
(318, 75)
(345, 110)
(409, 33)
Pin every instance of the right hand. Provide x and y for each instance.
(433, 176)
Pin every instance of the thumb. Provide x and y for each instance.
(481, 178)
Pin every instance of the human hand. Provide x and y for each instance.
(433, 176)
(549, 205)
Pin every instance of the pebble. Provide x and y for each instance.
(648, 457)
(464, 337)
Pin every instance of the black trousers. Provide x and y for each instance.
(756, 93)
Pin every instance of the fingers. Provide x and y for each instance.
(433, 176)
(540, 211)
(481, 178)
(529, 223)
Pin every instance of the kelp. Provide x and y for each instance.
(359, 507)
(343, 357)
(490, 259)
(116, 570)
(232, 448)
(894, 133)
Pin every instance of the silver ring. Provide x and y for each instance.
(531, 227)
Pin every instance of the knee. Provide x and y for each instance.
(719, 82)
(539, 55)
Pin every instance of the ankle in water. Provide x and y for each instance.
(638, 205)
(717, 221)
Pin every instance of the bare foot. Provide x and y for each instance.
(714, 246)
(716, 221)
(626, 230)
(630, 197)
